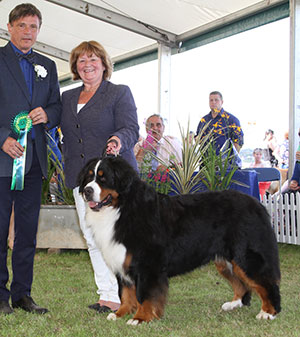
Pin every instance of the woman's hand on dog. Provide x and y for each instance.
(113, 145)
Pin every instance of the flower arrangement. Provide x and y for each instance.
(201, 168)
(41, 72)
(159, 178)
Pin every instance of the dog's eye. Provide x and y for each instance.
(91, 172)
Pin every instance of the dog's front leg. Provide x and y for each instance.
(152, 293)
(128, 305)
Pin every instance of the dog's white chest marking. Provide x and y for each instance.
(102, 224)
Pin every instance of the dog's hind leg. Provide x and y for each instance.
(242, 295)
(128, 305)
(267, 290)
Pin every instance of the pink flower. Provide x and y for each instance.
(157, 177)
(164, 178)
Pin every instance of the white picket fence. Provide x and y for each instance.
(284, 211)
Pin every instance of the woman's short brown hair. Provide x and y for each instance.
(89, 48)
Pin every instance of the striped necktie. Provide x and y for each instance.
(28, 57)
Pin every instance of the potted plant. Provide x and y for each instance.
(201, 167)
(58, 221)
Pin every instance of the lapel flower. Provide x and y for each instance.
(40, 71)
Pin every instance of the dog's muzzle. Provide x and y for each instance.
(88, 193)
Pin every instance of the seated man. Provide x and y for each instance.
(166, 148)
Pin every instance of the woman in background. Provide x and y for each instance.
(98, 115)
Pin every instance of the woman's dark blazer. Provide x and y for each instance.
(110, 112)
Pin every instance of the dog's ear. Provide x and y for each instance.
(124, 174)
(84, 173)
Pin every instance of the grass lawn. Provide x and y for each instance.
(64, 284)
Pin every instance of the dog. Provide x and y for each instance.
(146, 238)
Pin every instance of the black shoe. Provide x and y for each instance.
(100, 308)
(27, 303)
(5, 308)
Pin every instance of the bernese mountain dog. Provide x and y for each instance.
(146, 237)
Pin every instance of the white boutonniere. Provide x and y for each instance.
(40, 71)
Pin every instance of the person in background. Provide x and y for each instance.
(272, 148)
(294, 184)
(166, 148)
(258, 161)
(284, 152)
(225, 125)
(28, 84)
(96, 116)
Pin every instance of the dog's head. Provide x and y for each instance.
(103, 181)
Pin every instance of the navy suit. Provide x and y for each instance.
(110, 112)
(15, 98)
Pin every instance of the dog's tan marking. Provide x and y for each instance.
(267, 307)
(239, 288)
(129, 302)
(152, 309)
(127, 262)
(100, 173)
(91, 172)
(105, 192)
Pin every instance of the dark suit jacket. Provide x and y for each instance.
(15, 98)
(110, 112)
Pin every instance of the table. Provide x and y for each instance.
(244, 176)
(249, 178)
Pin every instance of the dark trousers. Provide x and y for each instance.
(26, 205)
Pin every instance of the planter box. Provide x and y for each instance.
(59, 228)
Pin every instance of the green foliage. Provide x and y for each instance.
(64, 283)
(159, 179)
(217, 169)
(200, 165)
(63, 194)
(46, 182)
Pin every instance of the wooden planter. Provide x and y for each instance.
(59, 228)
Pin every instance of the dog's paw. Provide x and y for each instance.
(228, 306)
(112, 317)
(265, 315)
(133, 322)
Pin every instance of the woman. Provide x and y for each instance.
(94, 115)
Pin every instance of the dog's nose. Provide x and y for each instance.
(88, 192)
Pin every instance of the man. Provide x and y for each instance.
(28, 86)
(166, 148)
(225, 126)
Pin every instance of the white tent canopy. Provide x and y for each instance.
(127, 28)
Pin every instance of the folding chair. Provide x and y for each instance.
(268, 174)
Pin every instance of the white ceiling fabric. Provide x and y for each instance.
(64, 29)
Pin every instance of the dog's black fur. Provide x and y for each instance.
(166, 236)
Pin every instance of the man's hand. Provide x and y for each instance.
(294, 185)
(38, 116)
(12, 148)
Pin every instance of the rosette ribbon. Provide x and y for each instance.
(21, 125)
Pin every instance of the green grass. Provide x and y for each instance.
(64, 284)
